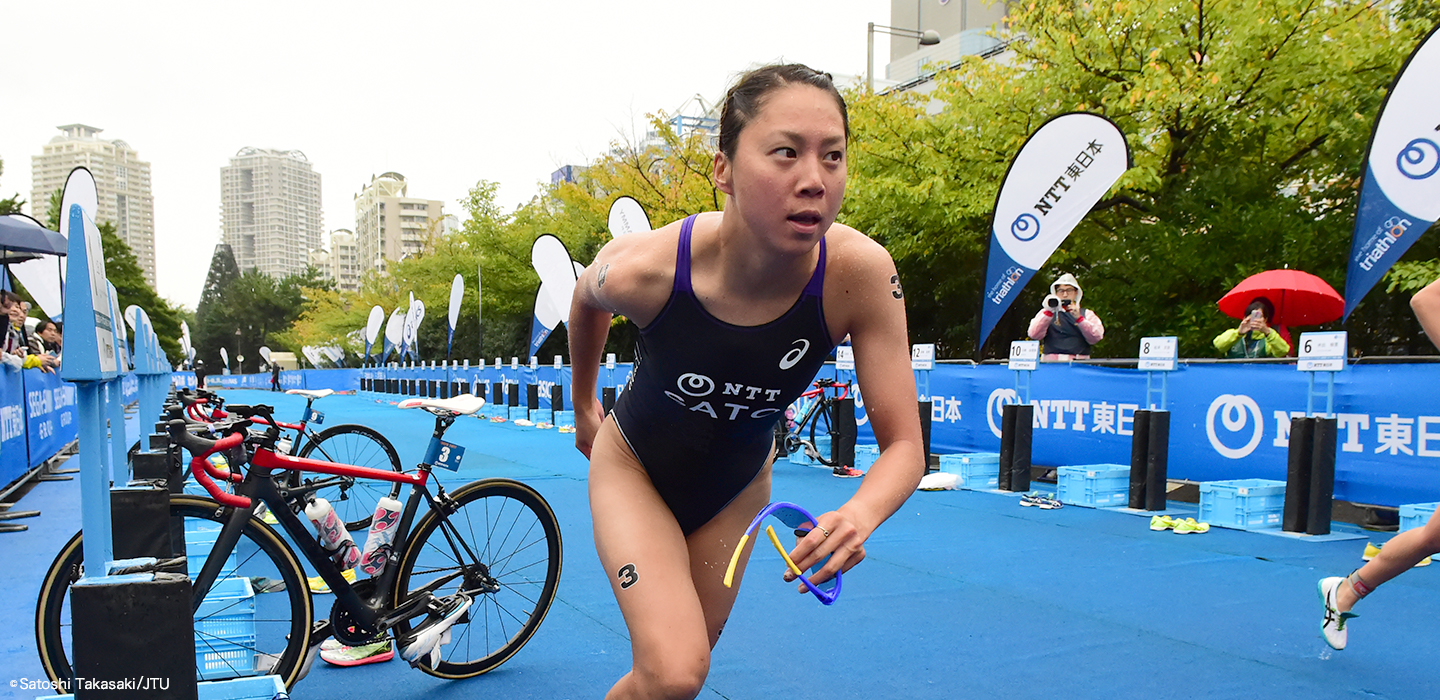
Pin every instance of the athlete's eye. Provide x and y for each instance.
(786, 152)
(835, 156)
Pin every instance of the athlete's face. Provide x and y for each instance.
(787, 179)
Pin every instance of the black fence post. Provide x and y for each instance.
(1157, 460)
(1139, 450)
(1322, 477)
(1297, 476)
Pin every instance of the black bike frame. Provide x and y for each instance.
(258, 485)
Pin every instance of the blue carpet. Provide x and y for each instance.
(964, 594)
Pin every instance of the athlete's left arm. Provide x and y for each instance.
(873, 309)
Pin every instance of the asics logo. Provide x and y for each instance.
(1236, 411)
(795, 354)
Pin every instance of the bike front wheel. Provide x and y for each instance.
(354, 499)
(500, 546)
(255, 619)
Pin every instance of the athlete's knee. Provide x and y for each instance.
(677, 679)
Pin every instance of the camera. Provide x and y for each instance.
(1052, 302)
(1065, 303)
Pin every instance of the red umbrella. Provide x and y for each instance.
(1300, 298)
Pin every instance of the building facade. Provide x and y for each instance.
(390, 225)
(122, 183)
(344, 262)
(270, 210)
(963, 25)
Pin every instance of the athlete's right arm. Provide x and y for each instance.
(1426, 304)
(619, 282)
(588, 326)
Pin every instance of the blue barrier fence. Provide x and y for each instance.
(1229, 421)
(37, 419)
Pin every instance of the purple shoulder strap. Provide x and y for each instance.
(816, 286)
(682, 256)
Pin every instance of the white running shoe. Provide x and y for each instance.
(1334, 625)
(434, 633)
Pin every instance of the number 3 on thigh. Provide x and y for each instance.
(627, 576)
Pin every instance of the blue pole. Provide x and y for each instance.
(94, 481)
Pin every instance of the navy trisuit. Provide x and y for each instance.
(700, 407)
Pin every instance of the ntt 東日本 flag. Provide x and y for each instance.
(1400, 198)
(1065, 167)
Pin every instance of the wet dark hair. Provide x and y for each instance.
(746, 98)
(1266, 308)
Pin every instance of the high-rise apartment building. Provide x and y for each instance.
(122, 182)
(270, 210)
(390, 225)
(344, 263)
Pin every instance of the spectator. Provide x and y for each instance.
(199, 374)
(51, 336)
(275, 376)
(15, 349)
(1068, 330)
(1254, 337)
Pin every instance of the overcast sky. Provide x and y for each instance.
(445, 93)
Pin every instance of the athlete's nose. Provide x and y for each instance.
(811, 182)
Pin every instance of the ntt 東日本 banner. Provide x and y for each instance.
(1401, 194)
(1065, 167)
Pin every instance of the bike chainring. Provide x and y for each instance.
(343, 624)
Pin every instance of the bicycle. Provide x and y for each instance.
(821, 408)
(354, 499)
(479, 567)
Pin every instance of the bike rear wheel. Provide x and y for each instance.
(354, 499)
(508, 561)
(239, 630)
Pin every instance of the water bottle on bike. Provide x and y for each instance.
(382, 534)
(334, 538)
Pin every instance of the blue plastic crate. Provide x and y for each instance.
(1415, 515)
(518, 412)
(865, 456)
(822, 445)
(542, 415)
(1094, 485)
(1245, 504)
(225, 629)
(977, 470)
(253, 688)
(565, 418)
(198, 544)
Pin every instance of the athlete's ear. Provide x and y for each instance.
(720, 171)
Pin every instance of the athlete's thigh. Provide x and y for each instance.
(645, 556)
(712, 546)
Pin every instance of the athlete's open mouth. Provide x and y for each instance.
(808, 218)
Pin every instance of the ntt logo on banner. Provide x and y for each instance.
(1023, 224)
(1238, 414)
(1419, 159)
(1007, 282)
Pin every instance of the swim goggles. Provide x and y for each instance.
(802, 521)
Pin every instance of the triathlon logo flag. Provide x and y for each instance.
(1064, 168)
(1401, 194)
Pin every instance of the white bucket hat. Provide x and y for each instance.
(1069, 279)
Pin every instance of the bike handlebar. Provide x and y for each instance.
(201, 448)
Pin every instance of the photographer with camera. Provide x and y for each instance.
(1254, 338)
(1067, 329)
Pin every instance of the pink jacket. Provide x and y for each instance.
(1088, 323)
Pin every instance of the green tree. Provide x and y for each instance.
(1247, 124)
